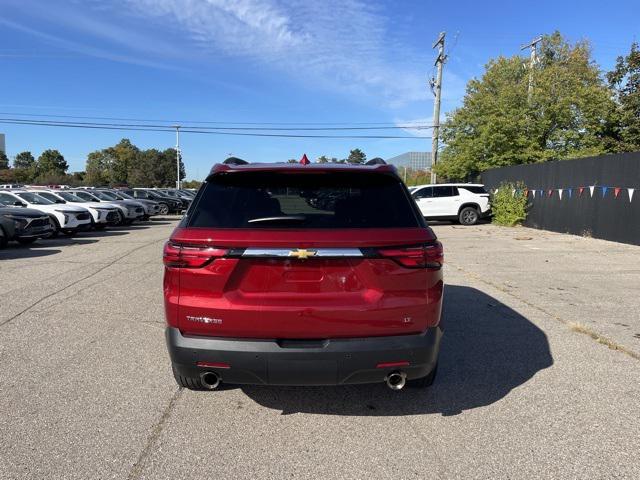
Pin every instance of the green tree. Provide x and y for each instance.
(192, 184)
(323, 159)
(356, 156)
(51, 162)
(4, 161)
(98, 168)
(624, 79)
(24, 160)
(569, 115)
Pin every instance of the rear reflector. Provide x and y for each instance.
(189, 256)
(213, 365)
(392, 364)
(429, 255)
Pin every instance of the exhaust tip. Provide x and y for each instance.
(210, 380)
(396, 380)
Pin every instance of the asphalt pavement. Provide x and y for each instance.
(538, 378)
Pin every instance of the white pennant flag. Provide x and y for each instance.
(495, 191)
(591, 189)
(513, 192)
(630, 191)
(560, 193)
(534, 193)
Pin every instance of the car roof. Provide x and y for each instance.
(451, 185)
(298, 167)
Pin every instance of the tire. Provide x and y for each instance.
(164, 209)
(26, 241)
(192, 383)
(426, 381)
(56, 227)
(69, 233)
(3, 239)
(100, 226)
(468, 216)
(128, 221)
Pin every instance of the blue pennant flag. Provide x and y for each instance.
(569, 191)
(604, 191)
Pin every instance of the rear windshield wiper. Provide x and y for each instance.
(285, 218)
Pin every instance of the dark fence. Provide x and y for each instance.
(595, 196)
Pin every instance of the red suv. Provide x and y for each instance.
(291, 274)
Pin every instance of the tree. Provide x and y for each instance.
(51, 162)
(24, 160)
(191, 184)
(624, 79)
(569, 114)
(322, 159)
(356, 156)
(4, 161)
(97, 169)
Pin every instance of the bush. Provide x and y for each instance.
(509, 207)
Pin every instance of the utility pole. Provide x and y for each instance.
(533, 60)
(436, 87)
(177, 127)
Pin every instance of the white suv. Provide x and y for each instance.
(465, 202)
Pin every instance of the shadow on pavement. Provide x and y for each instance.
(15, 252)
(487, 350)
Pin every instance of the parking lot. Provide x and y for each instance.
(538, 374)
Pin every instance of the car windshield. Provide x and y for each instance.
(327, 200)
(87, 196)
(70, 197)
(51, 197)
(104, 196)
(125, 196)
(34, 198)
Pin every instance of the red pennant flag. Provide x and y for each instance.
(526, 193)
(550, 192)
(616, 191)
(581, 189)
(304, 160)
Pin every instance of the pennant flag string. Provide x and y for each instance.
(630, 192)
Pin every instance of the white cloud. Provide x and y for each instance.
(340, 44)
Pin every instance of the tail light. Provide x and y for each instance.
(429, 255)
(189, 256)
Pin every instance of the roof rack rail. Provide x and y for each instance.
(376, 161)
(235, 161)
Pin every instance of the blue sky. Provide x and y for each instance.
(346, 61)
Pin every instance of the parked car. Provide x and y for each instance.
(128, 211)
(64, 218)
(150, 207)
(101, 215)
(173, 204)
(185, 200)
(290, 274)
(24, 225)
(465, 202)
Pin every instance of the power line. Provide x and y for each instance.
(377, 125)
(168, 128)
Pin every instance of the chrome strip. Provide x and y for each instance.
(291, 252)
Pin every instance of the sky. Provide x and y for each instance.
(265, 61)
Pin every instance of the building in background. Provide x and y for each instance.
(2, 144)
(412, 161)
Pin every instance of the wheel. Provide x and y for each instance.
(26, 241)
(164, 209)
(56, 227)
(426, 381)
(468, 216)
(192, 383)
(128, 221)
(3, 239)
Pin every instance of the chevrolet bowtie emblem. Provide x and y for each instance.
(302, 253)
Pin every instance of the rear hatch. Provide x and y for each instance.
(304, 255)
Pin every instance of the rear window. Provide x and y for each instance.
(307, 200)
(474, 189)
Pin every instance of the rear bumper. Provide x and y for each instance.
(299, 362)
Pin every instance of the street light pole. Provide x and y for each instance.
(437, 90)
(177, 127)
